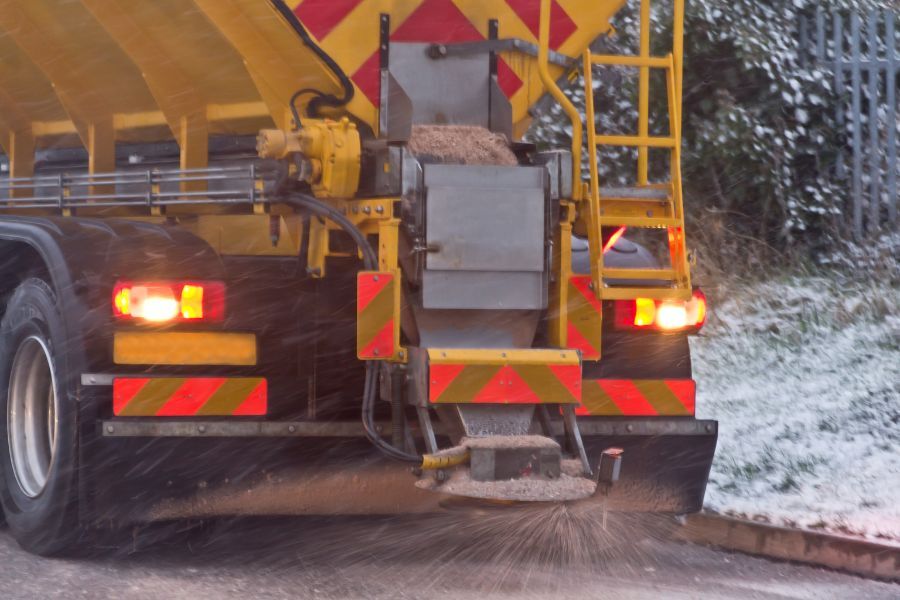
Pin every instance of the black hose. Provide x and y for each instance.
(292, 103)
(322, 99)
(370, 262)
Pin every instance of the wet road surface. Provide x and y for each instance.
(453, 556)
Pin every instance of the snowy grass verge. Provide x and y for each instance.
(804, 378)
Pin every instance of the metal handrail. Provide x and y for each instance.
(75, 190)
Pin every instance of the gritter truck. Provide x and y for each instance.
(244, 236)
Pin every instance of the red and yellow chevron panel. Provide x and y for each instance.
(189, 396)
(584, 318)
(377, 315)
(503, 376)
(638, 397)
(348, 30)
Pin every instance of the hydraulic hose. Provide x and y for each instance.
(322, 99)
(370, 263)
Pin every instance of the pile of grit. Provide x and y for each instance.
(461, 145)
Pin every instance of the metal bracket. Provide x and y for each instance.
(427, 429)
(574, 434)
(439, 51)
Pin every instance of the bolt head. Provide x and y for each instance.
(629, 428)
(110, 429)
(292, 428)
(201, 428)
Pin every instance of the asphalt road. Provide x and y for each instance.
(452, 556)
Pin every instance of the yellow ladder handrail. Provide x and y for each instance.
(673, 221)
(675, 225)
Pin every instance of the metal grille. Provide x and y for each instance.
(861, 52)
(149, 188)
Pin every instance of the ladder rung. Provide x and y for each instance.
(655, 293)
(654, 274)
(631, 61)
(634, 193)
(636, 140)
(640, 221)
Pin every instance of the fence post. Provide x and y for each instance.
(839, 87)
(874, 133)
(820, 35)
(891, 83)
(856, 83)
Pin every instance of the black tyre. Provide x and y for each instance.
(38, 429)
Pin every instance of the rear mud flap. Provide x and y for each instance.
(660, 473)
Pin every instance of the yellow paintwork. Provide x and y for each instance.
(561, 264)
(247, 235)
(331, 148)
(390, 304)
(352, 41)
(372, 216)
(183, 348)
(669, 213)
(549, 82)
(97, 72)
(482, 356)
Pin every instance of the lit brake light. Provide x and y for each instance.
(661, 315)
(160, 302)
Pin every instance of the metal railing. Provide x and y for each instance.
(861, 51)
(151, 188)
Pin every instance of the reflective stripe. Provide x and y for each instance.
(377, 299)
(504, 384)
(584, 318)
(189, 396)
(638, 397)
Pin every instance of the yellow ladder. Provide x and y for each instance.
(647, 205)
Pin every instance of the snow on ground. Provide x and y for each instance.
(804, 378)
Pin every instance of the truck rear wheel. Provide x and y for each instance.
(38, 433)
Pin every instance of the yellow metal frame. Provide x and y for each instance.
(513, 356)
(631, 212)
(594, 211)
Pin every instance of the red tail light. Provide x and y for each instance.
(167, 301)
(661, 315)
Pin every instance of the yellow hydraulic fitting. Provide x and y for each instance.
(331, 149)
(431, 462)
